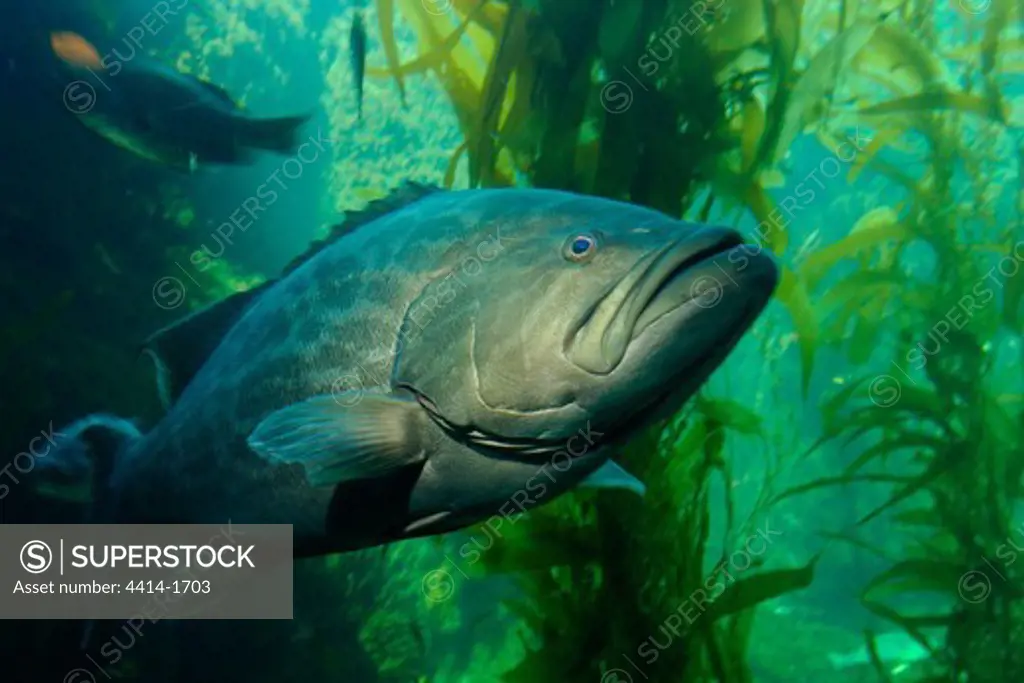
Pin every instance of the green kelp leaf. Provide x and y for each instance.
(911, 625)
(1012, 296)
(922, 402)
(892, 445)
(831, 406)
(794, 296)
(817, 264)
(1001, 427)
(714, 443)
(618, 30)
(892, 403)
(999, 14)
(731, 414)
(876, 661)
(918, 517)
(510, 50)
(386, 19)
(782, 21)
(936, 469)
(817, 82)
(716, 657)
(865, 330)
(453, 166)
(751, 591)
(861, 285)
(435, 58)
(933, 100)
(730, 504)
(828, 482)
(697, 439)
(544, 550)
(917, 575)
(836, 322)
(776, 238)
(856, 541)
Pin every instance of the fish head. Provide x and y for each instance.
(562, 311)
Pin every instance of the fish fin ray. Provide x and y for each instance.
(181, 348)
(402, 196)
(611, 476)
(337, 440)
(425, 522)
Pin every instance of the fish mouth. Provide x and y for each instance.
(682, 275)
(707, 268)
(714, 268)
(697, 302)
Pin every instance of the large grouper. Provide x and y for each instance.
(440, 356)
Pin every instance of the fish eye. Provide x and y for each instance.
(580, 248)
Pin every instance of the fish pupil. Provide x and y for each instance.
(581, 245)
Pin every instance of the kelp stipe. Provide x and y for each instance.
(607, 582)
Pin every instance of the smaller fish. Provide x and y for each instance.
(357, 53)
(161, 114)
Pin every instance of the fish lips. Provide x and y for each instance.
(692, 308)
(695, 292)
(695, 278)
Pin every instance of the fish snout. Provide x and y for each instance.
(708, 268)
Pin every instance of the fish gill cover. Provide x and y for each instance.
(842, 499)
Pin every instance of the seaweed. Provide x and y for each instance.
(709, 129)
(939, 428)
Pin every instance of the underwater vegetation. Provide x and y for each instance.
(873, 146)
(693, 108)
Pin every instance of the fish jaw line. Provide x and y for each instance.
(598, 342)
(727, 275)
(680, 385)
(709, 332)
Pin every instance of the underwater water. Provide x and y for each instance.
(818, 435)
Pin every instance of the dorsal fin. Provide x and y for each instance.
(402, 196)
(220, 92)
(182, 348)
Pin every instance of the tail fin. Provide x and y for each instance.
(274, 135)
(83, 457)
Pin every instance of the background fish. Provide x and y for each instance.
(357, 52)
(163, 115)
(411, 376)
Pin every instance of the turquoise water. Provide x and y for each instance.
(102, 248)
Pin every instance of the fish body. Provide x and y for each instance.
(456, 354)
(161, 114)
(357, 53)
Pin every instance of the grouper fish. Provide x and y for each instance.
(437, 357)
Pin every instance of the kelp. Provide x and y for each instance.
(594, 591)
(965, 440)
(581, 96)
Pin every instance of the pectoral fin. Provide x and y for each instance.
(611, 476)
(351, 436)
